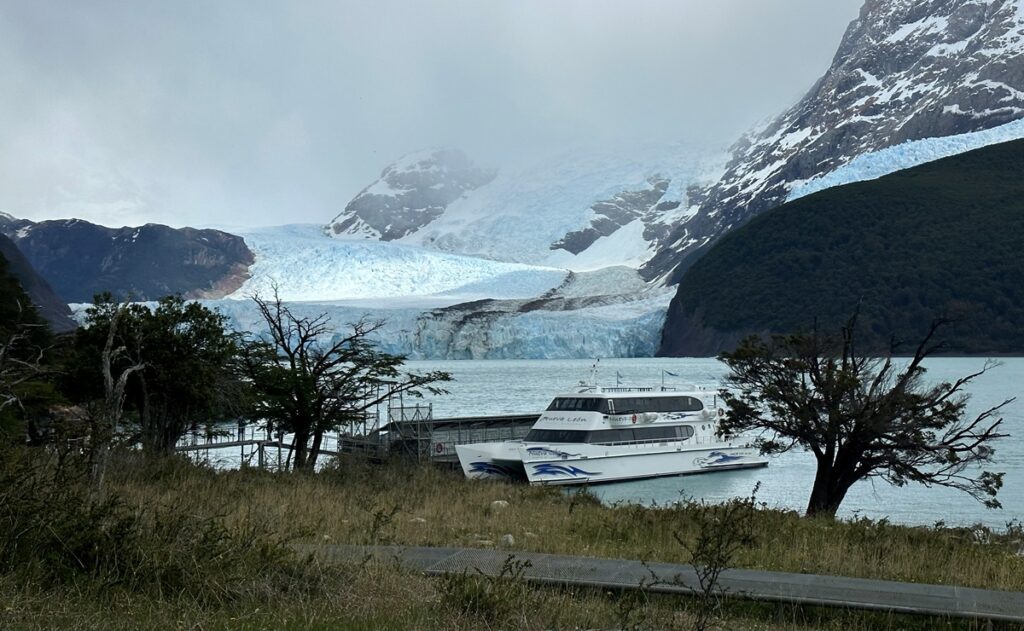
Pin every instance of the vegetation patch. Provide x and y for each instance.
(173, 541)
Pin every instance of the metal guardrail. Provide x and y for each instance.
(782, 587)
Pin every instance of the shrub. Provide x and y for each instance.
(58, 531)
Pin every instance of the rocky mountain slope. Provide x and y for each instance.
(80, 259)
(410, 194)
(578, 209)
(938, 240)
(49, 306)
(905, 70)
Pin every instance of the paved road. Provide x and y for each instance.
(807, 589)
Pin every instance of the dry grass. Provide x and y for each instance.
(383, 597)
(357, 503)
(362, 504)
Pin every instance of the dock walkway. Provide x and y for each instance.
(780, 587)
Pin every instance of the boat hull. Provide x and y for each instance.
(491, 461)
(566, 465)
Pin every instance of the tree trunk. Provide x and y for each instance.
(146, 415)
(822, 483)
(299, 445)
(318, 439)
(830, 487)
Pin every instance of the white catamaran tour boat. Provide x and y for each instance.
(610, 434)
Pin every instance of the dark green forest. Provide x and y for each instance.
(942, 240)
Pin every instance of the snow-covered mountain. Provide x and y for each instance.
(579, 209)
(409, 194)
(905, 70)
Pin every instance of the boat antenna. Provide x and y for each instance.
(593, 372)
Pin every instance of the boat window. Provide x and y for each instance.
(656, 404)
(556, 436)
(656, 433)
(579, 404)
(684, 432)
(686, 404)
(627, 406)
(609, 436)
(633, 434)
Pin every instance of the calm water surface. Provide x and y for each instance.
(523, 386)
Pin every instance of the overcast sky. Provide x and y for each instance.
(251, 112)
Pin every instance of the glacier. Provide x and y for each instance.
(630, 330)
(870, 166)
(438, 305)
(305, 265)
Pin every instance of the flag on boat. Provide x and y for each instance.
(618, 378)
(670, 374)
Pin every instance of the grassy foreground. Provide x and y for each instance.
(206, 549)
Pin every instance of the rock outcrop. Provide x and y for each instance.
(80, 259)
(409, 194)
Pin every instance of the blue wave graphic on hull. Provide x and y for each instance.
(490, 469)
(716, 458)
(560, 469)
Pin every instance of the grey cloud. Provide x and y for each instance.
(258, 112)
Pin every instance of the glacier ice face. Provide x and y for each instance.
(618, 330)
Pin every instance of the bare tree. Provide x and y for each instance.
(18, 367)
(26, 367)
(309, 380)
(861, 416)
(107, 417)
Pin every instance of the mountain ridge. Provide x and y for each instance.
(80, 259)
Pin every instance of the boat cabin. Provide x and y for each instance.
(611, 416)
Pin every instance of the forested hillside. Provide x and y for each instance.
(942, 239)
